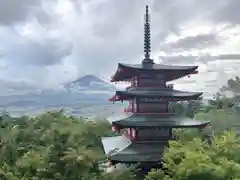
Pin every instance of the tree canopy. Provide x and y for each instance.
(51, 146)
(54, 146)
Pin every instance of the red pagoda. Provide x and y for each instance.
(147, 123)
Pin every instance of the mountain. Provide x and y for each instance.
(87, 91)
(90, 84)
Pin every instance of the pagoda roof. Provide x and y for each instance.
(123, 150)
(127, 71)
(157, 67)
(142, 120)
(156, 92)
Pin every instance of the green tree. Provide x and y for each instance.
(51, 146)
(221, 119)
(228, 96)
(188, 109)
(197, 160)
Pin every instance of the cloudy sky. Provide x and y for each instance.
(45, 43)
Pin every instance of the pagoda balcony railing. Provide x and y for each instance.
(170, 86)
(129, 109)
(150, 85)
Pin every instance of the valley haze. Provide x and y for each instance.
(87, 96)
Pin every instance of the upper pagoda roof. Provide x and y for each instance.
(156, 93)
(157, 67)
(171, 72)
(156, 120)
(123, 150)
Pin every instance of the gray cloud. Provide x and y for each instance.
(188, 43)
(9, 87)
(30, 52)
(229, 56)
(16, 85)
(172, 14)
(118, 28)
(117, 21)
(109, 31)
(97, 58)
(179, 59)
(228, 13)
(186, 59)
(115, 16)
(13, 11)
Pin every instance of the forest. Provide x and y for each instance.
(53, 146)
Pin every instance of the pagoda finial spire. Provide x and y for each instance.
(147, 39)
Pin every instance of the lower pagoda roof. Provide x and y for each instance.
(156, 120)
(156, 93)
(126, 151)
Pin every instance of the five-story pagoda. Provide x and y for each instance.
(147, 123)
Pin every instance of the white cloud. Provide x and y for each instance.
(51, 42)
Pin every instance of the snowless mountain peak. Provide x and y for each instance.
(88, 79)
(91, 84)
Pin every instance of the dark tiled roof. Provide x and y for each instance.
(171, 72)
(159, 92)
(156, 120)
(165, 93)
(158, 67)
(140, 152)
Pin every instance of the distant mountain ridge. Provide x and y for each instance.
(86, 89)
(87, 96)
(90, 84)
(88, 79)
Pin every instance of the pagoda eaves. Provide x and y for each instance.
(133, 153)
(161, 94)
(154, 120)
(171, 72)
